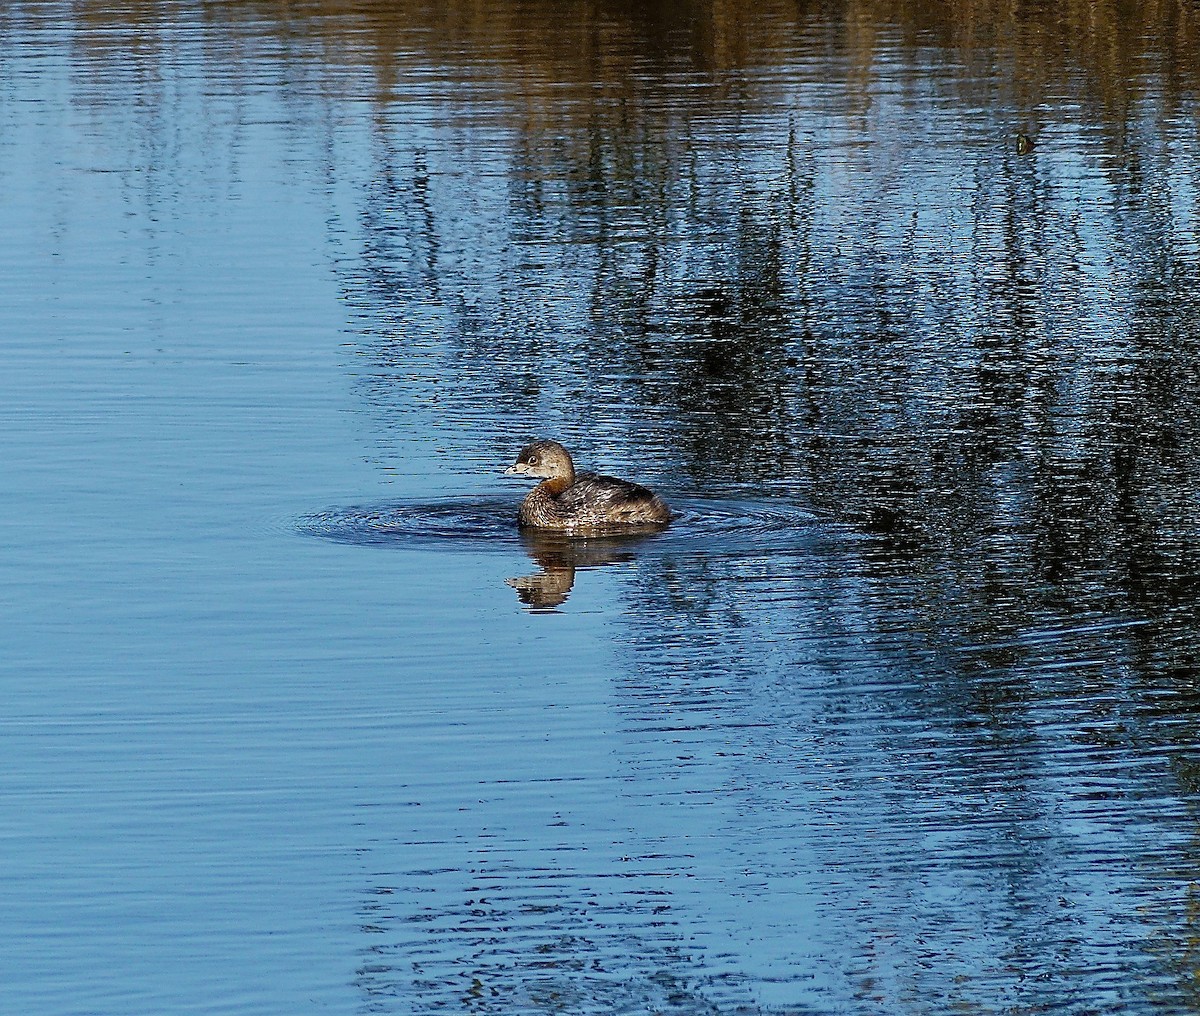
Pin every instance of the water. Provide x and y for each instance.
(899, 716)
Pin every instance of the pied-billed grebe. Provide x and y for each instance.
(565, 500)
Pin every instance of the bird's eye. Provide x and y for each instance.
(533, 460)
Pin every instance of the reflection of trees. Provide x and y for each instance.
(776, 338)
(862, 296)
(1015, 370)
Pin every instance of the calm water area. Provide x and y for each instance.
(896, 303)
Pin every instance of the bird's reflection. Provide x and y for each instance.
(559, 555)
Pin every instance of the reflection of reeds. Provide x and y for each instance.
(1112, 42)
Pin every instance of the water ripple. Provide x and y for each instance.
(483, 524)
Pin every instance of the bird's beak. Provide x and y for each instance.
(515, 469)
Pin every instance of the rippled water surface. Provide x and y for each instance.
(896, 304)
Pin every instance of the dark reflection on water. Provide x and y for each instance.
(933, 752)
(804, 256)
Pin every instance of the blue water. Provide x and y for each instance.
(897, 717)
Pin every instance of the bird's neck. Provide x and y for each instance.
(556, 484)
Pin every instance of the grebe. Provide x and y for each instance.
(566, 501)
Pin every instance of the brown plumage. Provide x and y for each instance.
(565, 500)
